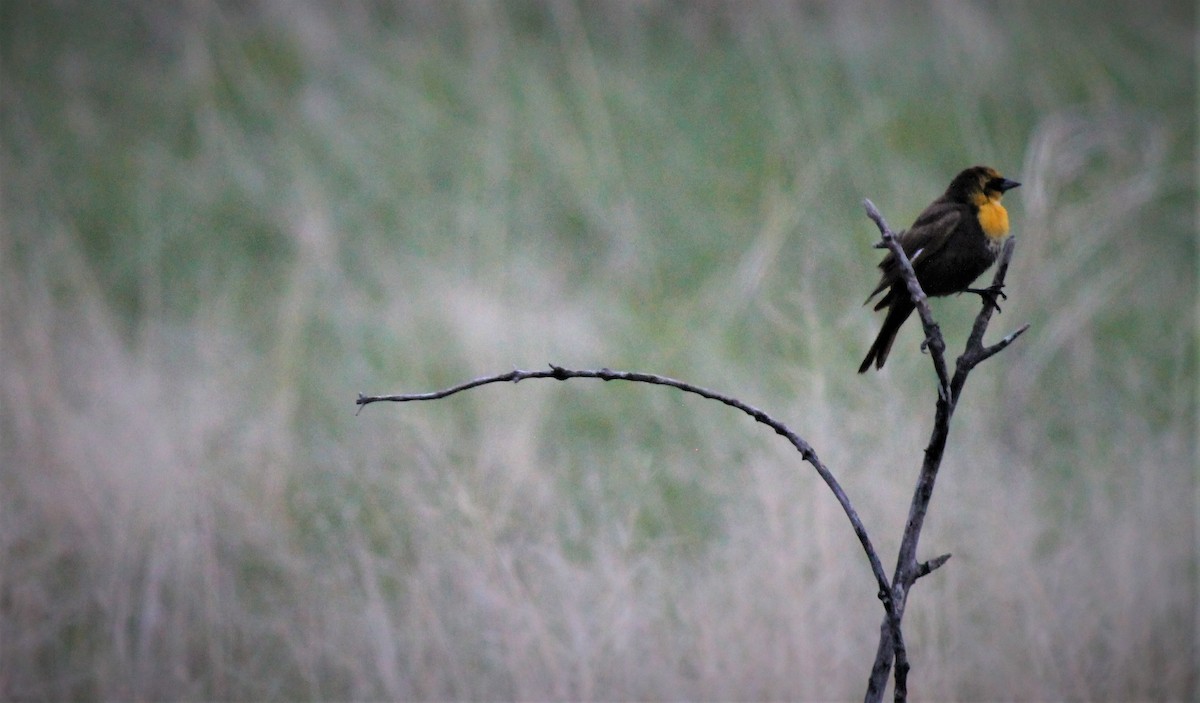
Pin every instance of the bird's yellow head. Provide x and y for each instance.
(983, 187)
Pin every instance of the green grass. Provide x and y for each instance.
(221, 224)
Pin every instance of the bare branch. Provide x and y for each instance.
(900, 692)
(975, 339)
(933, 334)
(513, 376)
(974, 352)
(559, 373)
(988, 352)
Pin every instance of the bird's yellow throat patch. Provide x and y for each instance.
(992, 217)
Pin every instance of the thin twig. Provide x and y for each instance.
(806, 451)
(927, 567)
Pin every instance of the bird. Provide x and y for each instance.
(951, 243)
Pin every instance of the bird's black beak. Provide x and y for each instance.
(1004, 185)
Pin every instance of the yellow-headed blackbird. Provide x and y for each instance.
(951, 243)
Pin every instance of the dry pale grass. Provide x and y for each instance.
(190, 510)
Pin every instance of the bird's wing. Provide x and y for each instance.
(927, 236)
(930, 233)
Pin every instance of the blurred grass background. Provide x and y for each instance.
(222, 221)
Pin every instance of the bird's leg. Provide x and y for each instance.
(992, 294)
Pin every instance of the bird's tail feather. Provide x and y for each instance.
(896, 316)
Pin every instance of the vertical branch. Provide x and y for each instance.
(908, 570)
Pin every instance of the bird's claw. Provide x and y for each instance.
(992, 294)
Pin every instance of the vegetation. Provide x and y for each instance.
(221, 223)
